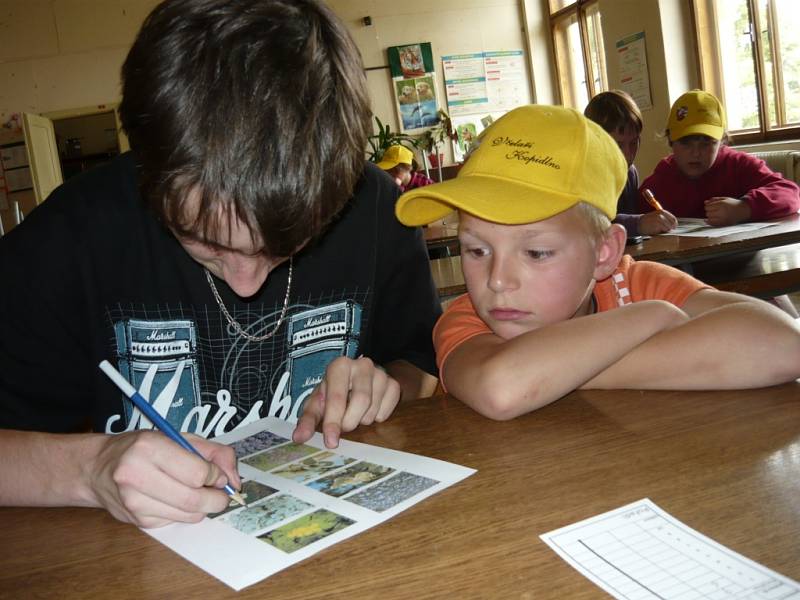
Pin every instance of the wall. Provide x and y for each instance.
(452, 27)
(57, 54)
(670, 60)
(60, 54)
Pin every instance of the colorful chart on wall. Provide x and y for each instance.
(633, 72)
(414, 86)
(485, 82)
(480, 87)
(302, 498)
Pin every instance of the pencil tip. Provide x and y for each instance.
(238, 497)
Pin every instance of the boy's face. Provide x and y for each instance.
(401, 173)
(523, 277)
(628, 140)
(236, 258)
(695, 154)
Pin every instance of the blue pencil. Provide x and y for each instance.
(156, 419)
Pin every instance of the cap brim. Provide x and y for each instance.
(712, 131)
(494, 199)
(387, 164)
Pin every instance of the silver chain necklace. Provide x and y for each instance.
(235, 324)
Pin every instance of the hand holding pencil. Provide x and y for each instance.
(142, 477)
(657, 221)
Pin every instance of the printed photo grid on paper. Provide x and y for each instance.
(302, 498)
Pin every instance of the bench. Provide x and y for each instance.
(767, 273)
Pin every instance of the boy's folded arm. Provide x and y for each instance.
(722, 346)
(502, 379)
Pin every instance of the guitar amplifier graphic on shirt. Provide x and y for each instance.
(315, 338)
(168, 347)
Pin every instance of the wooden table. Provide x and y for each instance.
(726, 463)
(673, 249)
(681, 250)
(764, 262)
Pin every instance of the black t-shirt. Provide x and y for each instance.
(92, 275)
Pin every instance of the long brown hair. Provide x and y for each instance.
(260, 106)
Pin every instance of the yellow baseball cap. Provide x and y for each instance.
(696, 113)
(395, 155)
(533, 163)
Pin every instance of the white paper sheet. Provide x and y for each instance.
(699, 228)
(301, 499)
(640, 552)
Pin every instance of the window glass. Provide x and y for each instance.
(738, 71)
(788, 20)
(556, 5)
(750, 57)
(571, 68)
(597, 53)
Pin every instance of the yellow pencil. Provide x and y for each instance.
(651, 200)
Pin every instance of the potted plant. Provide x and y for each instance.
(379, 142)
(433, 138)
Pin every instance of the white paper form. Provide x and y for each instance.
(640, 552)
(301, 499)
(689, 227)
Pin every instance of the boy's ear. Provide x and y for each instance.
(609, 251)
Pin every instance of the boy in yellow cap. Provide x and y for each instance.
(552, 303)
(398, 161)
(704, 178)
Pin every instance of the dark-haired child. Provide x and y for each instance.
(617, 113)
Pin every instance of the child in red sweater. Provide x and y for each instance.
(706, 179)
(398, 161)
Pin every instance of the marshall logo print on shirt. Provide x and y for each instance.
(160, 358)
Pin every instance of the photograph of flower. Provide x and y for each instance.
(306, 530)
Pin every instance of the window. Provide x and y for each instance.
(578, 44)
(750, 57)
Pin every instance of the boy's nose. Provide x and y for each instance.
(502, 276)
(244, 275)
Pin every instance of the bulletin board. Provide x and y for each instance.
(414, 86)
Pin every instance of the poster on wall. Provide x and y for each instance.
(480, 88)
(468, 128)
(484, 82)
(506, 80)
(465, 84)
(634, 77)
(414, 86)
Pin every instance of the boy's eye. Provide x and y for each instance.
(539, 254)
(476, 252)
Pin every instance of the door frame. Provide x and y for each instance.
(86, 111)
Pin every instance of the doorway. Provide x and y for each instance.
(87, 137)
(85, 142)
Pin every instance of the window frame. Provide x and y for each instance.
(579, 9)
(704, 17)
